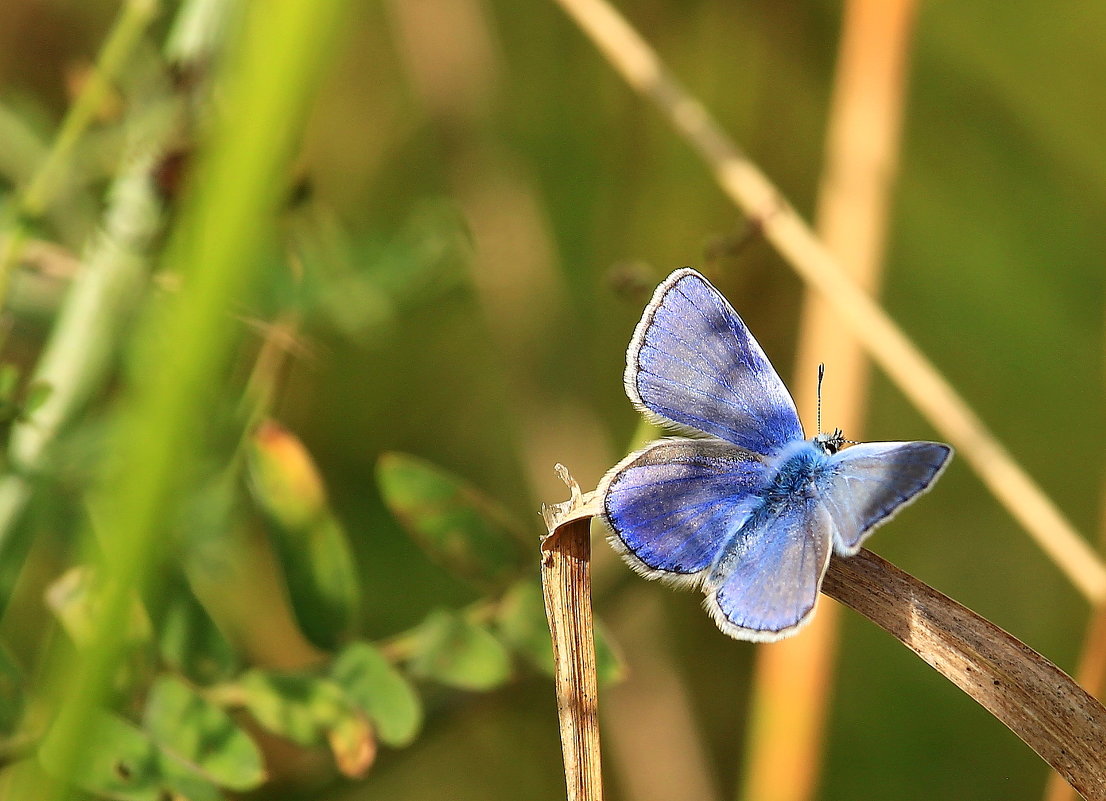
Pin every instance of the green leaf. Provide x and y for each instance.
(37, 393)
(610, 667)
(73, 598)
(521, 623)
(11, 691)
(309, 710)
(126, 764)
(284, 478)
(310, 541)
(203, 735)
(452, 521)
(454, 651)
(9, 379)
(296, 707)
(322, 580)
(190, 642)
(382, 692)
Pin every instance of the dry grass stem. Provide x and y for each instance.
(566, 584)
(1091, 675)
(1040, 703)
(903, 362)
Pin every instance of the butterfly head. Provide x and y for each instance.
(831, 442)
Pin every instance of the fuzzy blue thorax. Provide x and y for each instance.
(795, 472)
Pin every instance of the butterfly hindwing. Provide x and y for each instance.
(766, 584)
(867, 483)
(673, 506)
(693, 362)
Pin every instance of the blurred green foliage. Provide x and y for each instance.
(474, 221)
(454, 523)
(383, 692)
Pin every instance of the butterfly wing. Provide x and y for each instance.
(672, 506)
(693, 362)
(866, 484)
(766, 584)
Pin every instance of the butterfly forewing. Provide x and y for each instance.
(693, 362)
(673, 506)
(867, 483)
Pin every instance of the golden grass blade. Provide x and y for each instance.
(889, 347)
(792, 678)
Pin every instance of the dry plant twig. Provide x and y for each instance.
(1040, 703)
(1036, 700)
(889, 347)
(566, 585)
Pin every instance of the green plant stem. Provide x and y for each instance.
(125, 35)
(79, 354)
(257, 401)
(22, 147)
(224, 225)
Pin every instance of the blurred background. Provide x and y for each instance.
(483, 208)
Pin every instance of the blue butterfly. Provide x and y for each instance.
(747, 508)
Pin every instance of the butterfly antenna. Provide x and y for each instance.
(821, 375)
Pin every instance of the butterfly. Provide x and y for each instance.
(745, 508)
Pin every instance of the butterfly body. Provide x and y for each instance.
(748, 510)
(797, 472)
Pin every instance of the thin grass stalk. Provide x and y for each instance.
(133, 20)
(269, 78)
(20, 156)
(1041, 704)
(902, 361)
(566, 587)
(792, 678)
